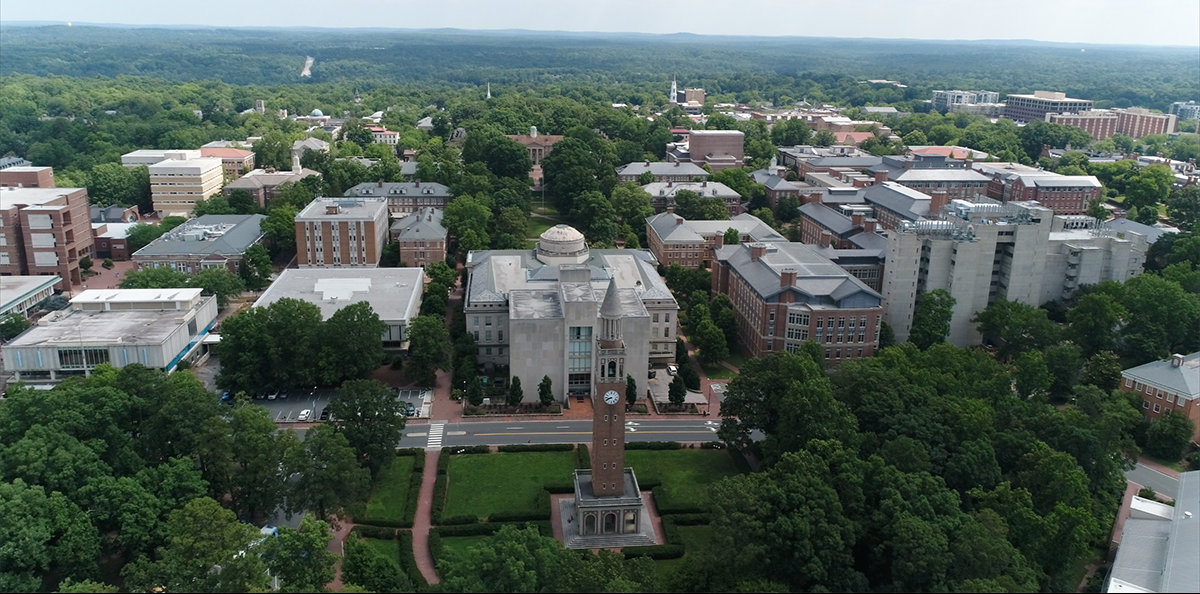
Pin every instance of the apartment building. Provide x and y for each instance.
(719, 149)
(944, 100)
(985, 252)
(345, 231)
(785, 294)
(662, 195)
(176, 185)
(405, 197)
(662, 172)
(204, 242)
(1134, 122)
(1028, 108)
(149, 157)
(691, 244)
(27, 177)
(44, 231)
(422, 237)
(1189, 110)
(1171, 386)
(236, 162)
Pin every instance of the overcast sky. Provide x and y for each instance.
(1146, 22)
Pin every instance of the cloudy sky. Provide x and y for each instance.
(1147, 22)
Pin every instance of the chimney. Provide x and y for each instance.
(757, 250)
(856, 220)
(703, 184)
(939, 199)
(670, 209)
(380, 183)
(418, 184)
(826, 238)
(332, 209)
(787, 277)
(881, 176)
(719, 241)
(1176, 360)
(970, 163)
(676, 163)
(908, 164)
(869, 225)
(678, 220)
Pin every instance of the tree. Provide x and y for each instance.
(732, 237)
(280, 228)
(427, 338)
(69, 586)
(215, 205)
(53, 534)
(1103, 370)
(787, 209)
(515, 394)
(695, 207)
(677, 391)
(1094, 322)
(269, 348)
(354, 131)
(114, 184)
(512, 227)
(468, 218)
(13, 325)
(931, 321)
(363, 566)
(298, 557)
(545, 391)
(1064, 362)
(915, 138)
(371, 418)
(155, 277)
(273, 150)
(631, 392)
(474, 391)
(202, 537)
(570, 170)
(632, 204)
(141, 234)
(598, 218)
(1150, 186)
(710, 342)
(257, 480)
(1162, 318)
(1169, 435)
(1017, 327)
(218, 281)
(790, 133)
(351, 344)
(824, 138)
(243, 201)
(1183, 206)
(255, 268)
(502, 155)
(331, 481)
(1031, 376)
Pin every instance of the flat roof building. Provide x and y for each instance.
(157, 328)
(719, 149)
(44, 231)
(151, 156)
(203, 242)
(27, 177)
(1160, 544)
(394, 294)
(176, 185)
(341, 231)
(1027, 108)
(20, 293)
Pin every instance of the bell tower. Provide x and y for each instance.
(608, 421)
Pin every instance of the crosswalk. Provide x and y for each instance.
(436, 431)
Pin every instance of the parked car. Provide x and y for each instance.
(671, 369)
(305, 415)
(273, 395)
(324, 414)
(410, 409)
(283, 394)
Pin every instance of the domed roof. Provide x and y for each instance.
(316, 113)
(562, 233)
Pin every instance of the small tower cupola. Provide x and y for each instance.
(610, 314)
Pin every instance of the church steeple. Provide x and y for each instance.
(489, 95)
(610, 315)
(674, 98)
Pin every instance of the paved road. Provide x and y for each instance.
(437, 434)
(1148, 477)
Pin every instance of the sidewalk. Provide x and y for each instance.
(1171, 472)
(424, 519)
(337, 547)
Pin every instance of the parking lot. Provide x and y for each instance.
(287, 410)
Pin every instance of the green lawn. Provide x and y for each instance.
(459, 543)
(386, 548)
(537, 226)
(737, 358)
(685, 474)
(483, 484)
(695, 539)
(390, 497)
(719, 371)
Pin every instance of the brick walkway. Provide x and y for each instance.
(337, 546)
(424, 519)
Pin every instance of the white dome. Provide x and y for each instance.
(316, 113)
(562, 244)
(562, 234)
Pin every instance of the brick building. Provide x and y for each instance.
(44, 231)
(236, 162)
(662, 172)
(263, 183)
(1134, 122)
(1168, 387)
(1064, 194)
(825, 226)
(691, 244)
(422, 237)
(662, 195)
(784, 294)
(405, 197)
(27, 177)
(346, 231)
(204, 242)
(719, 149)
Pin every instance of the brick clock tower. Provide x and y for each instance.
(608, 420)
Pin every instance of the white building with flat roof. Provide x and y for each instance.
(157, 328)
(394, 293)
(176, 185)
(20, 293)
(151, 156)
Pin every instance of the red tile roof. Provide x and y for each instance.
(225, 153)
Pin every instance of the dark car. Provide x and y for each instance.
(409, 409)
(324, 414)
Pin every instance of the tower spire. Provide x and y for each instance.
(674, 91)
(489, 95)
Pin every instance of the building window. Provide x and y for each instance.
(655, 318)
(1145, 404)
(1157, 408)
(1159, 394)
(488, 351)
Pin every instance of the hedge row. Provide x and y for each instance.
(667, 505)
(439, 496)
(414, 491)
(560, 487)
(541, 513)
(673, 549)
(407, 562)
(538, 447)
(464, 450)
(374, 532)
(414, 452)
(585, 460)
(653, 445)
(649, 484)
(712, 445)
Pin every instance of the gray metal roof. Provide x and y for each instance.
(706, 189)
(772, 181)
(935, 175)
(496, 274)
(829, 218)
(1162, 554)
(224, 235)
(1184, 380)
(673, 228)
(903, 201)
(423, 224)
(869, 241)
(855, 162)
(659, 168)
(1065, 181)
(399, 189)
(818, 280)
(1127, 226)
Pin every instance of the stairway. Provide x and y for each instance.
(610, 541)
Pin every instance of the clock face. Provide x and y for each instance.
(611, 397)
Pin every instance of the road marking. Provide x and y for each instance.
(417, 435)
(713, 429)
(563, 427)
(435, 436)
(546, 433)
(455, 433)
(630, 429)
(514, 427)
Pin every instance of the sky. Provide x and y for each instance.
(1147, 22)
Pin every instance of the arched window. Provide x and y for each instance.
(610, 523)
(612, 369)
(589, 524)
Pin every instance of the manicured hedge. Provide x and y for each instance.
(649, 484)
(417, 452)
(457, 520)
(469, 530)
(464, 450)
(656, 552)
(542, 513)
(712, 445)
(439, 495)
(585, 460)
(674, 548)
(407, 562)
(374, 532)
(560, 487)
(653, 445)
(538, 447)
(382, 523)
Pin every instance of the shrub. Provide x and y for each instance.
(108, 263)
(469, 529)
(585, 460)
(560, 487)
(1193, 460)
(382, 523)
(653, 445)
(667, 506)
(465, 450)
(538, 447)
(439, 498)
(463, 519)
(374, 531)
(656, 552)
(407, 562)
(649, 484)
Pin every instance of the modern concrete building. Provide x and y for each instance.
(719, 149)
(548, 302)
(1189, 110)
(264, 183)
(987, 110)
(157, 328)
(236, 162)
(1027, 108)
(176, 185)
(1171, 386)
(944, 100)
(151, 156)
(1160, 544)
(662, 195)
(18, 294)
(27, 177)
(784, 294)
(405, 197)
(662, 172)
(203, 242)
(986, 252)
(422, 238)
(341, 231)
(393, 293)
(44, 232)
(691, 244)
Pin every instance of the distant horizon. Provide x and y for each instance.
(1154, 23)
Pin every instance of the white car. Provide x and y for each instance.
(305, 415)
(671, 369)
